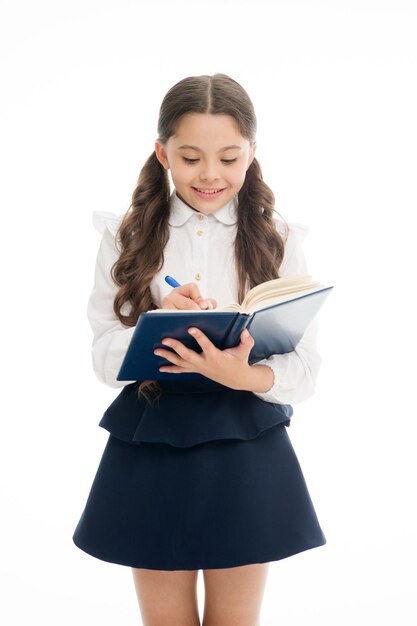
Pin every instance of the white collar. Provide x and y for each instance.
(180, 212)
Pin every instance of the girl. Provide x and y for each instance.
(198, 474)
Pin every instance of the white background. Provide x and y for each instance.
(334, 88)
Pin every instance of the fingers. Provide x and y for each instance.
(191, 291)
(210, 361)
(182, 356)
(183, 298)
(246, 340)
(183, 302)
(202, 340)
(211, 303)
(187, 297)
(243, 349)
(172, 357)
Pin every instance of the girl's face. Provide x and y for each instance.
(208, 158)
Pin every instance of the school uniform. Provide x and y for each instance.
(208, 477)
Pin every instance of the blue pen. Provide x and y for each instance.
(171, 281)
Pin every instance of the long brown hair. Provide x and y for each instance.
(144, 232)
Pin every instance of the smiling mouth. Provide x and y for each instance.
(209, 190)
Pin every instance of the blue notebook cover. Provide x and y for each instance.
(276, 329)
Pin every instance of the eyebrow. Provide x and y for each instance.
(199, 150)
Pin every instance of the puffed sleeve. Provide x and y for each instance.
(111, 337)
(295, 372)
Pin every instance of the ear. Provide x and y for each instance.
(161, 154)
(251, 155)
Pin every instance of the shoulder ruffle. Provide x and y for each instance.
(103, 219)
(300, 231)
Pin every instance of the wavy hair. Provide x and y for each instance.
(144, 232)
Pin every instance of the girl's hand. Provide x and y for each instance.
(187, 297)
(228, 367)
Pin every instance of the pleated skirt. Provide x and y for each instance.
(221, 503)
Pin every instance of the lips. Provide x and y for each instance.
(213, 190)
(208, 193)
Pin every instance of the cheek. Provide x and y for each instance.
(237, 177)
(181, 174)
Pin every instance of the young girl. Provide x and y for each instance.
(198, 474)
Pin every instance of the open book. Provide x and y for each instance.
(266, 294)
(276, 313)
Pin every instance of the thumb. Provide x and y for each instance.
(246, 339)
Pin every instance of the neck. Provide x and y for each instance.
(185, 202)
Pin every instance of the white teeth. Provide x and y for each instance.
(208, 190)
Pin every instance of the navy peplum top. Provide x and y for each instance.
(191, 412)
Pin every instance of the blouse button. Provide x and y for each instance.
(200, 232)
(200, 217)
(197, 277)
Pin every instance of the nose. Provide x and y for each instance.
(208, 171)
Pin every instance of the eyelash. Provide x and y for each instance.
(225, 161)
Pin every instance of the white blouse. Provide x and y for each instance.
(200, 250)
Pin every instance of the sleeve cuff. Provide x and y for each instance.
(272, 395)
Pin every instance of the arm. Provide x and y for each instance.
(295, 373)
(111, 337)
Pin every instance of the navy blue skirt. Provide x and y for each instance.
(206, 479)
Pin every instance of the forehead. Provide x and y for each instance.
(207, 131)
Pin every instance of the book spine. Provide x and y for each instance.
(232, 338)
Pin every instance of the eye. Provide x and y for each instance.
(226, 161)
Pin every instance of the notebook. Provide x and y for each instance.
(276, 313)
